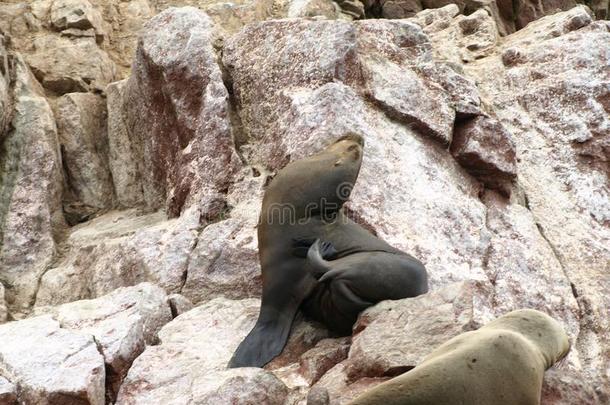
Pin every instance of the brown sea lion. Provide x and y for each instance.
(303, 203)
(502, 363)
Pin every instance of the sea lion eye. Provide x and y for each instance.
(352, 147)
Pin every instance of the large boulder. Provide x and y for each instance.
(178, 114)
(120, 249)
(549, 86)
(61, 366)
(31, 217)
(189, 366)
(65, 65)
(122, 322)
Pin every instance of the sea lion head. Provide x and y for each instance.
(321, 183)
(540, 329)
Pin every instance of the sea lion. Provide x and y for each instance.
(304, 203)
(502, 363)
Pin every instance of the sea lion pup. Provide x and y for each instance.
(303, 203)
(502, 363)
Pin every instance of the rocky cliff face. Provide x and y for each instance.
(137, 139)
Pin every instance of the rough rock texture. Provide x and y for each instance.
(486, 149)
(486, 157)
(189, 364)
(6, 107)
(78, 14)
(60, 366)
(63, 65)
(121, 249)
(178, 114)
(8, 392)
(81, 127)
(121, 159)
(3, 309)
(224, 261)
(122, 322)
(31, 179)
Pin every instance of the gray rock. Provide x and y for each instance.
(124, 168)
(30, 198)
(78, 14)
(121, 249)
(486, 149)
(60, 366)
(122, 322)
(65, 66)
(189, 366)
(81, 127)
(185, 155)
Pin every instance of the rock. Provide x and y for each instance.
(8, 392)
(304, 335)
(3, 309)
(553, 103)
(76, 14)
(185, 154)
(126, 20)
(394, 336)
(30, 214)
(122, 322)
(60, 367)
(563, 385)
(81, 126)
(65, 66)
(387, 71)
(486, 149)
(313, 8)
(6, 102)
(126, 177)
(391, 83)
(189, 366)
(179, 304)
(326, 354)
(121, 249)
(224, 261)
(462, 39)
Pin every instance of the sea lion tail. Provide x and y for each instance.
(317, 255)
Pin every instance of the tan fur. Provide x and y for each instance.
(502, 363)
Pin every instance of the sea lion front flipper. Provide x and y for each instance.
(317, 257)
(267, 339)
(300, 246)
